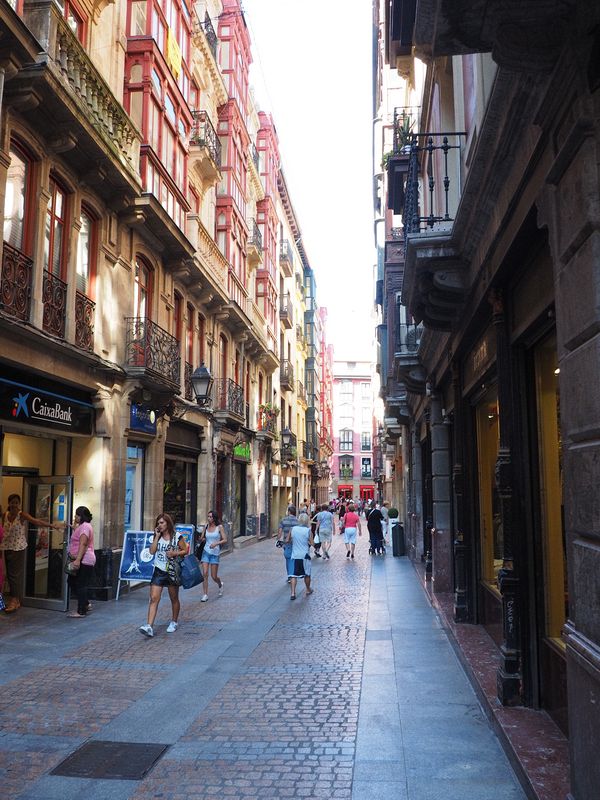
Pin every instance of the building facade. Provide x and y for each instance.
(352, 458)
(142, 227)
(489, 332)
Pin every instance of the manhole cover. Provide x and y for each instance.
(116, 760)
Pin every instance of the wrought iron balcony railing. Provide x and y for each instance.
(255, 236)
(408, 337)
(301, 392)
(285, 251)
(436, 156)
(309, 451)
(204, 135)
(267, 421)
(346, 472)
(54, 298)
(15, 284)
(211, 36)
(150, 349)
(84, 322)
(286, 310)
(229, 396)
(286, 374)
(256, 157)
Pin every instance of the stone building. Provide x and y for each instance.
(490, 195)
(141, 219)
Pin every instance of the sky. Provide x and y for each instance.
(312, 72)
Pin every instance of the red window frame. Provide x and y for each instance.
(73, 11)
(27, 225)
(223, 356)
(56, 219)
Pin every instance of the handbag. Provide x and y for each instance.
(70, 569)
(317, 539)
(191, 572)
(2, 603)
(174, 571)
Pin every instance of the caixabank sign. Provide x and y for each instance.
(30, 406)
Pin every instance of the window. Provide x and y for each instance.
(365, 468)
(75, 19)
(142, 289)
(490, 521)
(16, 198)
(222, 357)
(54, 241)
(139, 18)
(177, 314)
(189, 335)
(85, 253)
(201, 337)
(345, 440)
(365, 441)
(346, 467)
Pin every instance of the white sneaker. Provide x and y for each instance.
(172, 627)
(147, 630)
(204, 598)
(221, 589)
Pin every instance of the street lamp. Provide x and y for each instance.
(202, 382)
(286, 437)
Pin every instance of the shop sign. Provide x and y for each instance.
(275, 480)
(30, 406)
(142, 418)
(241, 450)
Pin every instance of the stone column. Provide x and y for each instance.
(442, 523)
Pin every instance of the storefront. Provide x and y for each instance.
(51, 460)
(182, 450)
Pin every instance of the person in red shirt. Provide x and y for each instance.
(351, 522)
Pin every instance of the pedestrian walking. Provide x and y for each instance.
(214, 538)
(374, 524)
(285, 526)
(341, 514)
(351, 526)
(166, 550)
(14, 546)
(83, 559)
(324, 529)
(300, 537)
(385, 522)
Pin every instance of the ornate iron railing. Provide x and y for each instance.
(188, 389)
(148, 347)
(15, 285)
(255, 236)
(301, 391)
(84, 322)
(229, 396)
(204, 135)
(346, 472)
(211, 36)
(267, 421)
(286, 252)
(286, 309)
(286, 373)
(408, 337)
(256, 157)
(54, 298)
(309, 451)
(429, 155)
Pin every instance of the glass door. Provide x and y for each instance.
(45, 580)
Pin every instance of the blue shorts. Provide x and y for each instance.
(208, 558)
(350, 535)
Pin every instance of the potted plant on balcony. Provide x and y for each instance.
(267, 414)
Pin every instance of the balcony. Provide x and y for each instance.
(286, 258)
(254, 245)
(289, 454)
(85, 310)
(309, 451)
(65, 98)
(286, 311)
(301, 340)
(205, 150)
(346, 473)
(408, 369)
(286, 376)
(15, 284)
(151, 354)
(435, 277)
(229, 407)
(54, 298)
(266, 424)
(301, 392)
(259, 343)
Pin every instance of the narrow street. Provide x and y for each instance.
(354, 692)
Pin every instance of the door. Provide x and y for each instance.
(45, 580)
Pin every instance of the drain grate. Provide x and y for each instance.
(111, 760)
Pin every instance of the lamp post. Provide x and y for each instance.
(202, 382)
(286, 438)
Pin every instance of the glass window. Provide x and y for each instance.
(134, 487)
(550, 469)
(490, 520)
(170, 110)
(345, 440)
(157, 83)
(141, 289)
(54, 250)
(137, 26)
(84, 253)
(365, 441)
(365, 468)
(15, 199)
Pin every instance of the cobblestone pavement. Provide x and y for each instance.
(353, 692)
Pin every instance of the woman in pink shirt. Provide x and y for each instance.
(81, 553)
(351, 525)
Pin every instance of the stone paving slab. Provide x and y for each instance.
(352, 693)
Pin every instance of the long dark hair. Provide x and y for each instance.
(215, 517)
(84, 514)
(169, 520)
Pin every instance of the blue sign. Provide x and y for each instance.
(137, 562)
(142, 418)
(29, 405)
(187, 531)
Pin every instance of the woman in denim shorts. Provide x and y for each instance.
(214, 537)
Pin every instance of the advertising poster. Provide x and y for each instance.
(136, 561)
(187, 531)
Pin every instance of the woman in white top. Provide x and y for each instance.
(301, 538)
(213, 537)
(164, 548)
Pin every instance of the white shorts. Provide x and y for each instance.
(350, 535)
